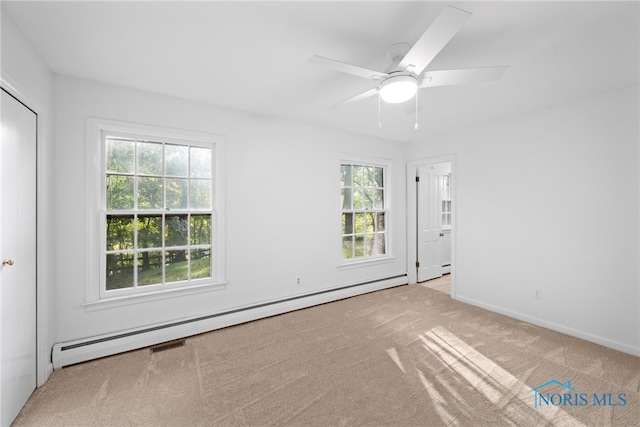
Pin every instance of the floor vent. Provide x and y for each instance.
(167, 346)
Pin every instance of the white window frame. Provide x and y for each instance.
(445, 199)
(374, 259)
(96, 293)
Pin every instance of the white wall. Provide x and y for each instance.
(26, 76)
(550, 201)
(282, 194)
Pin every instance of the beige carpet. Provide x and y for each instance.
(442, 284)
(407, 356)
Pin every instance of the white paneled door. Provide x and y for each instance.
(429, 224)
(18, 255)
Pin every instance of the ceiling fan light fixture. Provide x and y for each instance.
(396, 89)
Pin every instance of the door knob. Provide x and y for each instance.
(7, 262)
(441, 234)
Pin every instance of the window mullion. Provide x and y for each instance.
(188, 246)
(163, 247)
(135, 251)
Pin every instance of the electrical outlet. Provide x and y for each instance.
(298, 281)
(537, 294)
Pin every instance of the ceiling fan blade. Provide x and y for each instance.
(348, 68)
(461, 76)
(434, 39)
(360, 97)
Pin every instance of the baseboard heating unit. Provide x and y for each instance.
(72, 352)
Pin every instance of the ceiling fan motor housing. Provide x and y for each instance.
(397, 51)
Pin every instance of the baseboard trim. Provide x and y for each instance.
(72, 352)
(625, 348)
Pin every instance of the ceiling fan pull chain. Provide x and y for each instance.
(416, 126)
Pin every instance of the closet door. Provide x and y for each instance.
(18, 256)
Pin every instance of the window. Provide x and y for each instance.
(158, 202)
(364, 217)
(445, 197)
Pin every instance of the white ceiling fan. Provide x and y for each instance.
(407, 72)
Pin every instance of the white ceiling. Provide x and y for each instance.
(252, 56)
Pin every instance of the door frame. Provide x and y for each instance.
(44, 367)
(412, 218)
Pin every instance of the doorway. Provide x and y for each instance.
(18, 249)
(431, 219)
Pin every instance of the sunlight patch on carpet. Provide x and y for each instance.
(393, 354)
(485, 376)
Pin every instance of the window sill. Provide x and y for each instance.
(121, 301)
(365, 263)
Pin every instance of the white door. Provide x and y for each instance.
(18, 255)
(429, 222)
